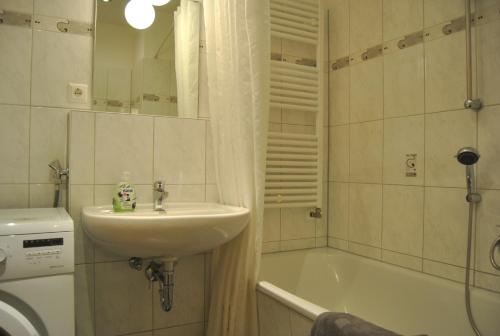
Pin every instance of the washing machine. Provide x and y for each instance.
(36, 273)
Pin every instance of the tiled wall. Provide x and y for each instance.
(35, 67)
(277, 319)
(112, 298)
(410, 101)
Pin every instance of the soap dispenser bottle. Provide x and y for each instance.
(124, 198)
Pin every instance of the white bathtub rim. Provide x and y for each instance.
(301, 306)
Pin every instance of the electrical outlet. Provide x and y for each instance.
(78, 93)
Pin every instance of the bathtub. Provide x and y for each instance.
(295, 287)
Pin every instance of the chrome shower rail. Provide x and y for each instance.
(474, 104)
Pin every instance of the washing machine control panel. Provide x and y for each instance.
(32, 255)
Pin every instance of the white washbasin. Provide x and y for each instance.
(183, 229)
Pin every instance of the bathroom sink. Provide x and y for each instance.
(183, 229)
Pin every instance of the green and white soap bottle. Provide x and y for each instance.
(124, 198)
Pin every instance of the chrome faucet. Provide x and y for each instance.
(159, 195)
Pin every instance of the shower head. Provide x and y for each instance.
(467, 156)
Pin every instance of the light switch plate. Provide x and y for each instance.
(78, 93)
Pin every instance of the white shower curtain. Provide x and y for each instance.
(238, 52)
(187, 41)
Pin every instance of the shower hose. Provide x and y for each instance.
(467, 273)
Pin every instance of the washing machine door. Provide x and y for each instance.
(13, 323)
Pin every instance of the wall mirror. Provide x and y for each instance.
(153, 70)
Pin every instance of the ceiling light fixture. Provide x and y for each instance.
(160, 2)
(140, 14)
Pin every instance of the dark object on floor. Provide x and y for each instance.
(343, 324)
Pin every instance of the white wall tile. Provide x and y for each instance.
(296, 223)
(445, 73)
(298, 49)
(445, 134)
(84, 300)
(403, 219)
(21, 6)
(81, 147)
(42, 195)
(321, 241)
(446, 271)
(14, 131)
(60, 59)
(339, 96)
(445, 225)
(276, 45)
(146, 333)
(339, 153)
(15, 64)
(338, 219)
(48, 140)
(196, 329)
(488, 62)
(271, 247)
(365, 250)
(487, 281)
(403, 136)
(79, 10)
(404, 82)
(272, 225)
(209, 157)
(440, 11)
(365, 213)
(299, 118)
(488, 174)
(123, 143)
(121, 293)
(299, 129)
(402, 17)
(488, 229)
(211, 193)
(366, 152)
(298, 244)
(365, 23)
(179, 150)
(402, 260)
(367, 91)
(14, 196)
(186, 193)
(339, 28)
(338, 243)
(81, 196)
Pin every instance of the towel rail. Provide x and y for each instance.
(294, 160)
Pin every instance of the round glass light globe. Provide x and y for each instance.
(159, 2)
(140, 14)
